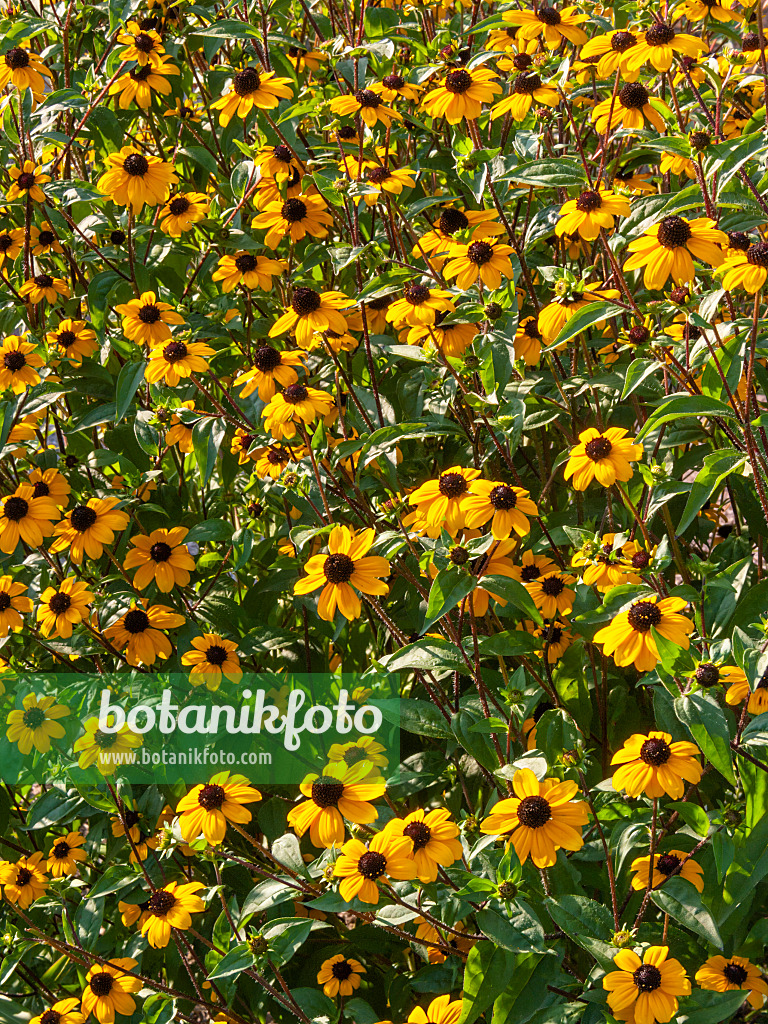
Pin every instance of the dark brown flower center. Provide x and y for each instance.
(174, 351)
(749, 42)
(647, 978)
(640, 560)
(14, 361)
(529, 573)
(117, 237)
(341, 970)
(305, 301)
(452, 220)
(674, 232)
(416, 294)
(347, 133)
(521, 61)
(534, 811)
(419, 834)
(589, 201)
(141, 73)
(622, 41)
(643, 615)
(266, 358)
(82, 518)
(245, 262)
(598, 448)
(15, 508)
(293, 210)
(46, 238)
(480, 253)
(33, 718)
(50, 1017)
(59, 603)
(211, 797)
(354, 755)
(278, 456)
(372, 865)
(144, 43)
(136, 165)
(757, 255)
(160, 552)
(149, 314)
(16, 58)
(101, 984)
(5, 601)
(549, 15)
(178, 205)
(23, 877)
(161, 902)
(668, 863)
(552, 586)
(458, 81)
(338, 568)
(43, 280)
(26, 180)
(381, 303)
(638, 335)
(136, 621)
(393, 81)
(378, 175)
(367, 98)
(283, 154)
(452, 485)
(655, 752)
(326, 791)
(526, 84)
(41, 489)
(659, 34)
(6, 242)
(247, 81)
(707, 675)
(633, 96)
(295, 394)
(735, 973)
(503, 497)
(216, 655)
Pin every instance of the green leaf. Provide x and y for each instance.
(717, 467)
(382, 440)
(235, 962)
(519, 933)
(703, 1007)
(587, 922)
(207, 436)
(128, 383)
(686, 405)
(448, 588)
(709, 728)
(513, 592)
(589, 315)
(561, 173)
(693, 816)
(416, 716)
(681, 901)
(485, 977)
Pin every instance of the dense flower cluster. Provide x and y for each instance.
(422, 338)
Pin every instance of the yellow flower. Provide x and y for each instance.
(462, 94)
(270, 366)
(135, 178)
(207, 808)
(592, 211)
(487, 262)
(162, 558)
(528, 341)
(294, 218)
(340, 976)
(171, 907)
(361, 868)
(443, 502)
(507, 507)
(11, 244)
(553, 24)
(610, 51)
(106, 750)
(527, 88)
(442, 1010)
(87, 528)
(24, 881)
(25, 70)
(142, 45)
(676, 164)
(649, 987)
(138, 633)
(176, 361)
(346, 566)
(311, 311)
(65, 855)
(552, 594)
(434, 839)
(251, 88)
(340, 792)
(631, 105)
(27, 181)
(295, 404)
(719, 974)
(541, 818)
(27, 518)
(145, 320)
(36, 723)
(249, 270)
(603, 456)
(109, 988)
(665, 865)
(739, 690)
(74, 339)
(64, 606)
(653, 764)
(368, 105)
(747, 270)
(628, 637)
(658, 46)
(211, 658)
(666, 248)
(138, 84)
(61, 1012)
(182, 211)
(43, 286)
